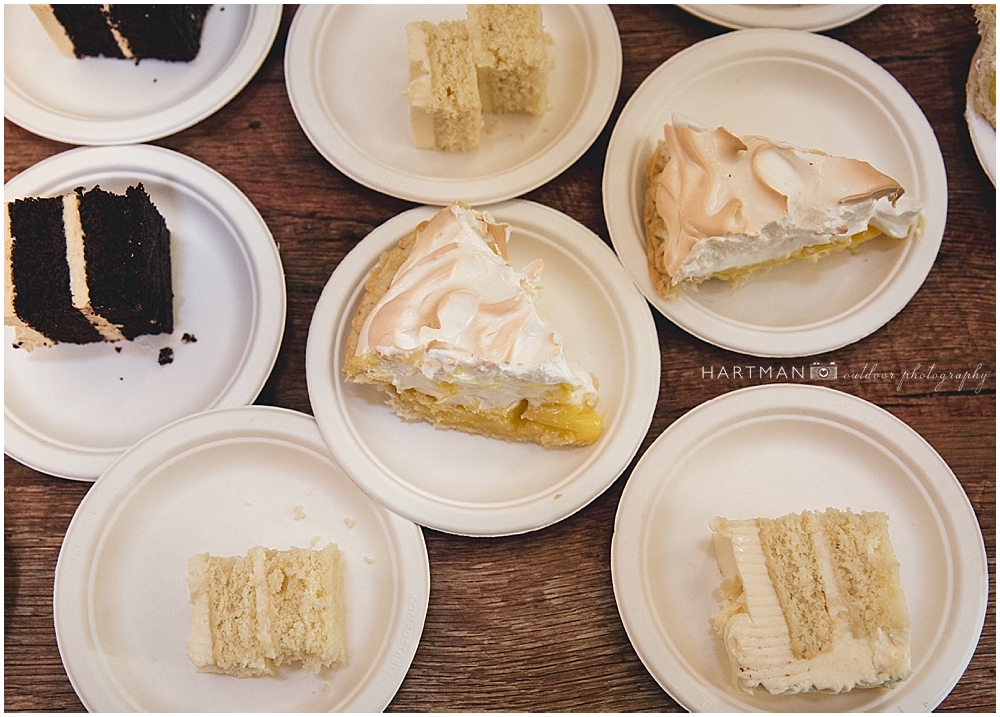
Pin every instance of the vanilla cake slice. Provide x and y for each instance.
(812, 602)
(449, 331)
(446, 111)
(253, 613)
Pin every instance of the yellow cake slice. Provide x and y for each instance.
(721, 206)
(449, 331)
(446, 112)
(511, 56)
(812, 602)
(253, 613)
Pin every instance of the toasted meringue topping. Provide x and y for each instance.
(754, 199)
(457, 297)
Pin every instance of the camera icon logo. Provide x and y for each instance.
(823, 371)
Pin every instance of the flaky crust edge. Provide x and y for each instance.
(378, 283)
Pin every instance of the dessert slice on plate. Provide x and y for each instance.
(722, 206)
(812, 602)
(86, 266)
(255, 612)
(450, 332)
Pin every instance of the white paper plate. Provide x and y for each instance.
(814, 18)
(813, 92)
(222, 482)
(71, 410)
(472, 485)
(98, 100)
(984, 140)
(346, 69)
(768, 451)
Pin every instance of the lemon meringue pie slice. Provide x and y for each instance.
(449, 330)
(722, 206)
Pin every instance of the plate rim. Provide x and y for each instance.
(807, 340)
(981, 132)
(813, 18)
(254, 47)
(636, 411)
(627, 571)
(72, 574)
(51, 455)
(343, 156)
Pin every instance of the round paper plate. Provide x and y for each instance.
(70, 410)
(814, 18)
(222, 482)
(98, 100)
(472, 485)
(769, 451)
(810, 91)
(346, 69)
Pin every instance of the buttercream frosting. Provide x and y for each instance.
(419, 92)
(756, 635)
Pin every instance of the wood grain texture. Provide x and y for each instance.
(529, 623)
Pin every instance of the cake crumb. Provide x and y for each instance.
(326, 688)
(350, 522)
(369, 560)
(558, 496)
(314, 541)
(300, 513)
(166, 356)
(189, 339)
(118, 349)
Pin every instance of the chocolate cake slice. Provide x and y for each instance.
(87, 266)
(159, 32)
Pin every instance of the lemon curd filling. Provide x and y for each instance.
(550, 424)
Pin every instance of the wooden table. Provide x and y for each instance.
(529, 622)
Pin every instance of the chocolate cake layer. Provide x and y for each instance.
(40, 273)
(127, 250)
(164, 32)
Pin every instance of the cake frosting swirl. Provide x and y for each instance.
(719, 205)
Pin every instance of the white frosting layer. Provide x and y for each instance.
(199, 646)
(419, 91)
(457, 312)
(79, 289)
(729, 202)
(756, 635)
